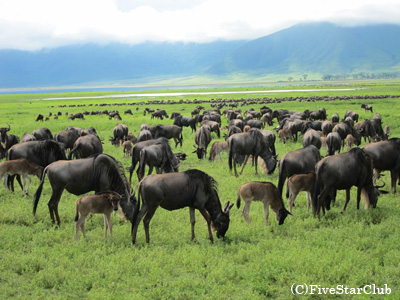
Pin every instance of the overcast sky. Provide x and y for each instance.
(37, 24)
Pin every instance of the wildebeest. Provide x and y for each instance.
(160, 156)
(265, 192)
(367, 107)
(334, 143)
(126, 148)
(335, 118)
(297, 162)
(169, 132)
(22, 167)
(217, 148)
(86, 146)
(351, 114)
(159, 113)
(67, 138)
(299, 183)
(250, 143)
(366, 130)
(6, 141)
(341, 172)
(98, 173)
(284, 135)
(120, 133)
(387, 131)
(40, 117)
(26, 137)
(103, 203)
(344, 129)
(386, 156)
(202, 138)
(197, 190)
(213, 126)
(144, 135)
(136, 152)
(312, 137)
(183, 121)
(42, 134)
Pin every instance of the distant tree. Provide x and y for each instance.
(290, 79)
(305, 76)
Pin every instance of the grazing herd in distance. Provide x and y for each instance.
(87, 168)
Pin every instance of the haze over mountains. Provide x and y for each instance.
(321, 48)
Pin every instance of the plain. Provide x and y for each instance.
(354, 249)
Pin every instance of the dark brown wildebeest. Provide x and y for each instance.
(86, 146)
(341, 172)
(312, 137)
(40, 117)
(67, 138)
(26, 137)
(197, 190)
(6, 141)
(98, 173)
(120, 133)
(334, 143)
(250, 143)
(169, 132)
(183, 121)
(367, 107)
(160, 156)
(202, 139)
(386, 156)
(351, 114)
(297, 162)
(42, 134)
(265, 192)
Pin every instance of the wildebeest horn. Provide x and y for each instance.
(275, 156)
(9, 127)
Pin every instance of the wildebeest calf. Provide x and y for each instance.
(103, 203)
(300, 183)
(21, 167)
(265, 192)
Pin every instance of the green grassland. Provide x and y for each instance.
(353, 249)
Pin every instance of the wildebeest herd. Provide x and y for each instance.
(246, 141)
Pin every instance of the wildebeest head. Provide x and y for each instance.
(221, 223)
(282, 214)
(200, 151)
(3, 132)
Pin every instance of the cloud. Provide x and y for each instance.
(32, 25)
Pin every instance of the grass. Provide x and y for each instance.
(354, 249)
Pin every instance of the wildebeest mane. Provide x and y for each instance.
(209, 183)
(45, 147)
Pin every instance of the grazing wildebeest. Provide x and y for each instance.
(232, 130)
(341, 172)
(86, 146)
(120, 133)
(42, 134)
(334, 143)
(386, 156)
(335, 118)
(160, 156)
(160, 113)
(301, 183)
(103, 203)
(351, 114)
(40, 117)
(217, 148)
(98, 173)
(214, 127)
(312, 137)
(22, 167)
(128, 112)
(250, 143)
(344, 129)
(183, 121)
(366, 130)
(169, 132)
(6, 141)
(297, 162)
(265, 192)
(367, 107)
(202, 138)
(144, 135)
(126, 148)
(197, 190)
(67, 138)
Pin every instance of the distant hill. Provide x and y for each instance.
(91, 63)
(317, 47)
(321, 48)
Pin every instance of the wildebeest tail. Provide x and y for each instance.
(77, 212)
(238, 200)
(287, 189)
(230, 154)
(36, 197)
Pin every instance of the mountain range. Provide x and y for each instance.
(322, 48)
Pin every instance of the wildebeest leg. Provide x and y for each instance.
(132, 168)
(393, 175)
(26, 190)
(244, 164)
(292, 197)
(266, 212)
(321, 200)
(347, 200)
(309, 201)
(146, 222)
(80, 224)
(135, 225)
(192, 220)
(107, 224)
(246, 210)
(358, 197)
(206, 216)
(255, 158)
(53, 205)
